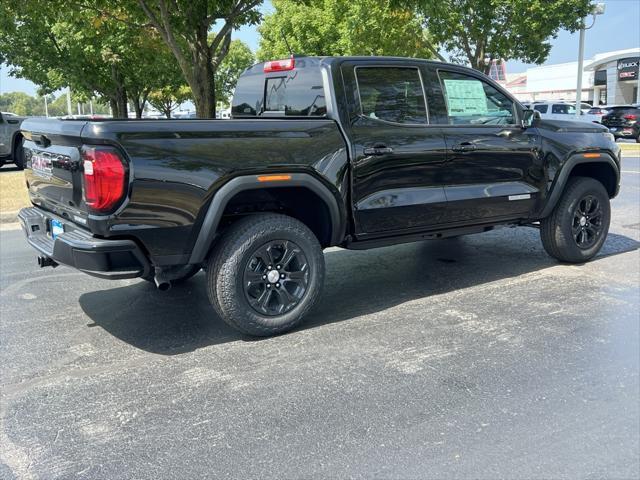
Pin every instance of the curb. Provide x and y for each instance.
(9, 217)
(629, 147)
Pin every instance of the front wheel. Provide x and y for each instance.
(578, 226)
(265, 274)
(18, 154)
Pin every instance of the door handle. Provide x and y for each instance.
(464, 147)
(377, 150)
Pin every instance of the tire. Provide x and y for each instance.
(18, 154)
(568, 234)
(245, 267)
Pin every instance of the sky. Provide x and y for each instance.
(617, 29)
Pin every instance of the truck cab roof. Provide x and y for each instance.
(295, 87)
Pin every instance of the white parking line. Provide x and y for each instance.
(629, 171)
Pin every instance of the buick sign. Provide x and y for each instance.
(628, 68)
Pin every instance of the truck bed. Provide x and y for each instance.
(175, 167)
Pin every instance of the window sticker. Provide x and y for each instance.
(465, 98)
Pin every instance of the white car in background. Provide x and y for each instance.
(563, 111)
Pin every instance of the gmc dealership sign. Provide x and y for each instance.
(628, 68)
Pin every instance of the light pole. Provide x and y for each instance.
(597, 9)
(69, 101)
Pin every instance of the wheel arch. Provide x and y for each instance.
(15, 138)
(243, 185)
(16, 141)
(602, 168)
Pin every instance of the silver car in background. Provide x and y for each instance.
(11, 139)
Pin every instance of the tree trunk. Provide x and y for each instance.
(114, 107)
(203, 88)
(137, 107)
(139, 101)
(123, 104)
(120, 94)
(167, 113)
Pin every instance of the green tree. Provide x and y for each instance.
(21, 103)
(237, 61)
(479, 31)
(337, 27)
(57, 44)
(58, 106)
(184, 25)
(167, 99)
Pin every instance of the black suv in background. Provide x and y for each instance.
(623, 122)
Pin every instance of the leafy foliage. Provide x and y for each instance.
(55, 44)
(167, 99)
(22, 104)
(479, 31)
(338, 27)
(237, 61)
(184, 26)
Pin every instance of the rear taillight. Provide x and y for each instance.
(279, 65)
(630, 117)
(104, 178)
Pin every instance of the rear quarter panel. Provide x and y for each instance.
(176, 166)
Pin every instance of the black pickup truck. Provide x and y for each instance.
(356, 152)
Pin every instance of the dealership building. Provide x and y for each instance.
(610, 78)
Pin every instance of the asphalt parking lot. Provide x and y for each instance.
(477, 357)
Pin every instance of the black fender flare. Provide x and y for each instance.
(561, 179)
(212, 218)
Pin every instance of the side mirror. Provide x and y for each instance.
(1, 119)
(528, 115)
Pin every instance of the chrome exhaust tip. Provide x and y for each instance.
(46, 262)
(162, 284)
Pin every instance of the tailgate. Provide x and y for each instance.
(52, 167)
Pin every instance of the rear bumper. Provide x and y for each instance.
(624, 131)
(78, 248)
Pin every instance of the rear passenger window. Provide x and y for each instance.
(541, 108)
(392, 94)
(298, 92)
(295, 95)
(471, 101)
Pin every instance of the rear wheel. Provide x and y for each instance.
(577, 228)
(265, 274)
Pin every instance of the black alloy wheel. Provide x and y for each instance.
(276, 277)
(587, 222)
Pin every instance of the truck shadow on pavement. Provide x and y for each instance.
(357, 283)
